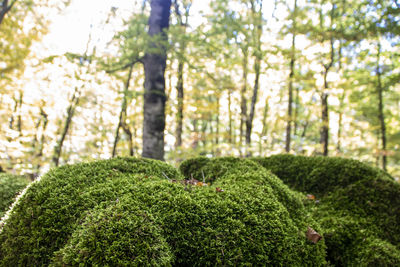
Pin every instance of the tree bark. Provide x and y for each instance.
(324, 102)
(325, 124)
(264, 126)
(67, 124)
(179, 116)
(243, 101)
(290, 89)
(5, 7)
(181, 65)
(123, 110)
(381, 114)
(340, 122)
(154, 68)
(230, 131)
(257, 32)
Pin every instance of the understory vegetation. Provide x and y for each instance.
(219, 211)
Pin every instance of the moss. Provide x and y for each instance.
(255, 187)
(118, 233)
(46, 216)
(319, 175)
(125, 212)
(358, 206)
(376, 252)
(10, 186)
(128, 211)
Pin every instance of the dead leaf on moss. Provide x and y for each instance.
(219, 189)
(311, 197)
(312, 235)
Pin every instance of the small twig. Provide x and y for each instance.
(166, 176)
(204, 179)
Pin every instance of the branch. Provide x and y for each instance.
(133, 62)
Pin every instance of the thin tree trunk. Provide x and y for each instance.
(381, 114)
(243, 102)
(290, 100)
(195, 138)
(181, 65)
(179, 88)
(154, 68)
(324, 103)
(257, 14)
(325, 124)
(217, 150)
(296, 111)
(230, 132)
(264, 125)
(11, 122)
(339, 132)
(291, 76)
(128, 132)
(70, 113)
(40, 149)
(123, 110)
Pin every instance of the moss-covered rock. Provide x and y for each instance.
(10, 186)
(319, 175)
(358, 206)
(129, 211)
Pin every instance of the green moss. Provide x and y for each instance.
(118, 233)
(126, 212)
(319, 175)
(49, 212)
(10, 186)
(358, 206)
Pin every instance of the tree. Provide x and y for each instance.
(182, 43)
(5, 7)
(154, 63)
(291, 79)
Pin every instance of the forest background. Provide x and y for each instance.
(243, 77)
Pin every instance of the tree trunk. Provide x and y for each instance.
(123, 111)
(290, 100)
(154, 68)
(264, 126)
(179, 122)
(230, 131)
(67, 124)
(296, 111)
(291, 75)
(128, 132)
(381, 114)
(181, 65)
(6, 6)
(250, 118)
(324, 102)
(339, 132)
(217, 150)
(243, 101)
(325, 124)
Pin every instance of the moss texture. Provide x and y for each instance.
(358, 206)
(134, 212)
(140, 212)
(10, 186)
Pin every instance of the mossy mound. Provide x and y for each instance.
(129, 211)
(319, 175)
(358, 206)
(10, 186)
